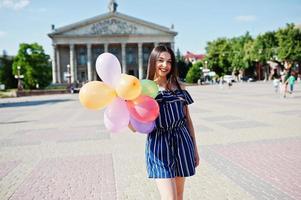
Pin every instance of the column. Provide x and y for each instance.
(156, 44)
(58, 64)
(54, 66)
(106, 47)
(89, 62)
(140, 61)
(172, 46)
(72, 67)
(123, 60)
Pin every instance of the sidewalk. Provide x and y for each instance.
(249, 142)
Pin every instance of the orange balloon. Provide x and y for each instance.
(129, 87)
(96, 95)
(143, 109)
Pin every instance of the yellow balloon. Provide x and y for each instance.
(129, 87)
(96, 95)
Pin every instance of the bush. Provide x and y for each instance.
(194, 73)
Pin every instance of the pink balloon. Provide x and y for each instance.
(142, 127)
(143, 109)
(108, 68)
(116, 116)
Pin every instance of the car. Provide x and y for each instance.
(248, 79)
(228, 78)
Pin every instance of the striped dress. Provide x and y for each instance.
(169, 147)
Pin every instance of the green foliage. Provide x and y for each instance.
(289, 39)
(194, 73)
(6, 75)
(242, 53)
(265, 47)
(35, 65)
(182, 66)
(218, 56)
(237, 53)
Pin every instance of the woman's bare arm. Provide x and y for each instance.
(192, 133)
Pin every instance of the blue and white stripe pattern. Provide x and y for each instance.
(169, 147)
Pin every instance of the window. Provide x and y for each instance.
(82, 56)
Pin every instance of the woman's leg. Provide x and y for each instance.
(180, 181)
(167, 188)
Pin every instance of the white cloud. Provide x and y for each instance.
(14, 4)
(2, 34)
(245, 18)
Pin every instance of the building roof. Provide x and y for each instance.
(190, 55)
(96, 22)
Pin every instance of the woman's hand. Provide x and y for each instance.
(131, 127)
(196, 157)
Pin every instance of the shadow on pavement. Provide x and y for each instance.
(15, 122)
(32, 103)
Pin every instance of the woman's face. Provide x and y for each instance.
(163, 64)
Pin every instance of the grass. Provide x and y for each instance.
(8, 93)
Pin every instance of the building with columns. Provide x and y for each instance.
(77, 46)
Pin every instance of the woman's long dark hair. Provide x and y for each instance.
(172, 76)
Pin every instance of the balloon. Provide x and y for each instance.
(149, 88)
(142, 127)
(108, 68)
(116, 115)
(129, 87)
(143, 109)
(96, 95)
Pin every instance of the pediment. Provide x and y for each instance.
(112, 24)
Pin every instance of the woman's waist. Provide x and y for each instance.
(172, 126)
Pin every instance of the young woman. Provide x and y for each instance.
(171, 150)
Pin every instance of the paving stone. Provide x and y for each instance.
(248, 138)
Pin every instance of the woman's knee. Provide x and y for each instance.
(167, 189)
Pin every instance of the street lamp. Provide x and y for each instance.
(19, 77)
(68, 74)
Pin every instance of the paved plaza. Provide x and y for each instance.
(249, 140)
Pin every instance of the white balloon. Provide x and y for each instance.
(108, 68)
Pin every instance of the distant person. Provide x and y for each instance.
(171, 150)
(276, 82)
(291, 81)
(221, 82)
(229, 82)
(286, 75)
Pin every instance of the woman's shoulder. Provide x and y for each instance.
(182, 85)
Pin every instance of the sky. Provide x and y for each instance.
(196, 21)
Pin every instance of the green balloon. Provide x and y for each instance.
(149, 88)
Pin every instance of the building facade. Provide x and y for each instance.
(77, 46)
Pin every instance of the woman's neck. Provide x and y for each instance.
(161, 81)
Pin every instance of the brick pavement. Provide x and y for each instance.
(249, 141)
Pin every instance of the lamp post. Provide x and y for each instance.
(206, 71)
(68, 76)
(19, 77)
(206, 64)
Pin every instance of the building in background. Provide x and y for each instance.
(130, 39)
(191, 57)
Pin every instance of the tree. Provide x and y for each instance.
(35, 65)
(182, 66)
(237, 54)
(289, 39)
(6, 74)
(265, 47)
(249, 59)
(218, 56)
(194, 73)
